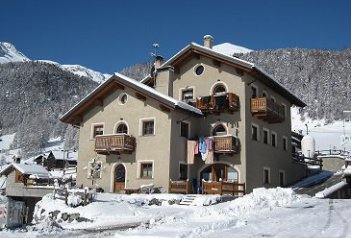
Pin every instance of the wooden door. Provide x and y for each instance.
(219, 171)
(120, 178)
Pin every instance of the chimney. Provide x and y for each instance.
(158, 61)
(208, 41)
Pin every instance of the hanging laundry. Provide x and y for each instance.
(203, 148)
(209, 158)
(191, 151)
(196, 148)
(209, 143)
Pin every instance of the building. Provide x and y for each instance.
(134, 133)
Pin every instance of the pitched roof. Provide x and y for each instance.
(26, 169)
(121, 81)
(245, 65)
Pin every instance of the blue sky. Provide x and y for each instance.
(109, 35)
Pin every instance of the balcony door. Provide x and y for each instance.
(217, 172)
(120, 178)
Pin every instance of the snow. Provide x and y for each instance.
(328, 191)
(276, 212)
(326, 135)
(31, 169)
(230, 49)
(6, 141)
(9, 53)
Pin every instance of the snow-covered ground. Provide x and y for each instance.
(263, 213)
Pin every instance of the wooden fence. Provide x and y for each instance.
(230, 188)
(179, 186)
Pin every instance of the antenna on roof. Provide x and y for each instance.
(156, 46)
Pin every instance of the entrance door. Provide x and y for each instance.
(216, 172)
(120, 178)
(219, 171)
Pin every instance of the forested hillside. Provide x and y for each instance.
(322, 78)
(33, 96)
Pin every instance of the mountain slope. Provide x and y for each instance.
(9, 53)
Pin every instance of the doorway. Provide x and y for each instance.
(217, 172)
(120, 178)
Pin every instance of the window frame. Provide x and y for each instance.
(274, 142)
(266, 179)
(253, 86)
(285, 143)
(196, 67)
(182, 93)
(141, 126)
(188, 130)
(93, 131)
(140, 169)
(282, 183)
(257, 132)
(122, 124)
(263, 137)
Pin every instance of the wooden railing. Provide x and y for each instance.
(227, 102)
(179, 186)
(231, 188)
(119, 143)
(226, 144)
(267, 110)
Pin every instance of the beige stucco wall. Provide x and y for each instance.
(155, 148)
(203, 85)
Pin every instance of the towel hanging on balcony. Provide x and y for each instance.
(191, 151)
(203, 148)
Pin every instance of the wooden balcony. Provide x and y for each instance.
(267, 110)
(114, 144)
(226, 144)
(228, 102)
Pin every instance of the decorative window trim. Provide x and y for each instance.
(284, 177)
(195, 67)
(120, 98)
(216, 84)
(258, 131)
(213, 126)
(141, 123)
(285, 144)
(269, 175)
(257, 90)
(184, 89)
(117, 124)
(275, 140)
(93, 125)
(268, 136)
(189, 128)
(140, 162)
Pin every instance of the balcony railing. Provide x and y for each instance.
(119, 143)
(218, 103)
(267, 110)
(226, 144)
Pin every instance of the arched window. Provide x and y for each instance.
(219, 90)
(219, 130)
(122, 129)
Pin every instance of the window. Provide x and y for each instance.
(98, 130)
(219, 90)
(265, 136)
(219, 130)
(148, 128)
(284, 110)
(281, 178)
(184, 129)
(254, 132)
(254, 92)
(285, 143)
(273, 99)
(187, 94)
(146, 170)
(122, 129)
(274, 139)
(266, 176)
(123, 99)
(199, 69)
(264, 94)
(183, 171)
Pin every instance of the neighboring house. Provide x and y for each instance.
(134, 133)
(27, 183)
(57, 159)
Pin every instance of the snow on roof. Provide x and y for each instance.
(231, 49)
(65, 155)
(152, 91)
(328, 191)
(28, 169)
